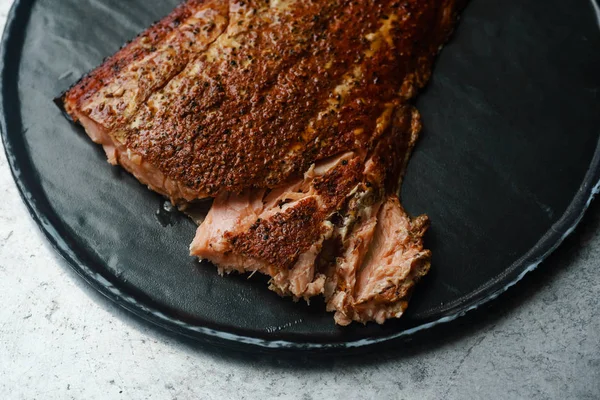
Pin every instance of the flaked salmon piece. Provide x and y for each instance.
(281, 232)
(383, 260)
(380, 254)
(228, 212)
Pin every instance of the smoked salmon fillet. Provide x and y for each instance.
(296, 117)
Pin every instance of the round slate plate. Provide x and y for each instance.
(507, 164)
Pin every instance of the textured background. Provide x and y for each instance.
(61, 340)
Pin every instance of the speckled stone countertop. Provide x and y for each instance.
(61, 340)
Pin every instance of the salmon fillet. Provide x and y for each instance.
(295, 116)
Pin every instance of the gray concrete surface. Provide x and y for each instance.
(61, 340)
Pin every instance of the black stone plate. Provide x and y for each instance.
(506, 166)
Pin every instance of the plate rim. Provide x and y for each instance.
(487, 293)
